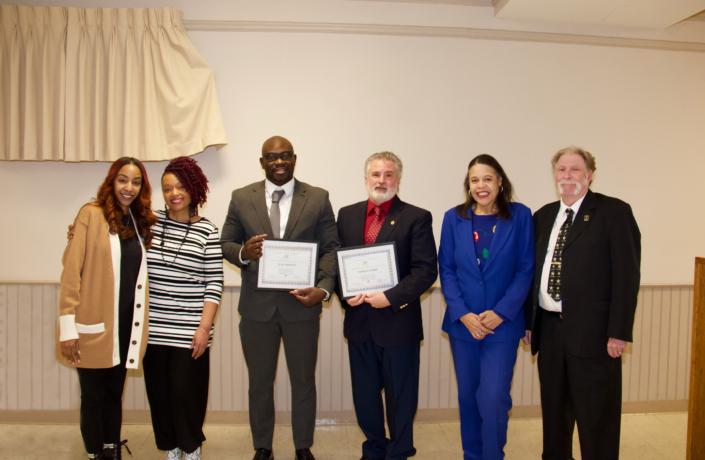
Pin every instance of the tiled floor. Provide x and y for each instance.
(644, 437)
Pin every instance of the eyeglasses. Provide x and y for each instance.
(271, 157)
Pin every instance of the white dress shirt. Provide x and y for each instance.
(284, 202)
(546, 301)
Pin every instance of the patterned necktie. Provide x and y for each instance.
(274, 216)
(376, 225)
(554, 279)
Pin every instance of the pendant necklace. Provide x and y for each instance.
(164, 236)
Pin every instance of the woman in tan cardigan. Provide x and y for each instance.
(103, 311)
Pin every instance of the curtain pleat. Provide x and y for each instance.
(95, 84)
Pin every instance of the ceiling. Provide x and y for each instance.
(652, 14)
(647, 14)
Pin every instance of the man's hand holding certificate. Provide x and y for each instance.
(366, 272)
(287, 265)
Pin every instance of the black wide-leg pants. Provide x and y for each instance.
(177, 389)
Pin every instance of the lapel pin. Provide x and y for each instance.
(587, 218)
(392, 222)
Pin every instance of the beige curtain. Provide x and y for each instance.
(95, 84)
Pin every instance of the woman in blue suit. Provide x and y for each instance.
(486, 261)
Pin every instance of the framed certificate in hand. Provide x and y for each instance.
(367, 269)
(286, 265)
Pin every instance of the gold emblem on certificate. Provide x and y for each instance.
(367, 269)
(287, 265)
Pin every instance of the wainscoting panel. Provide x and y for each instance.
(656, 366)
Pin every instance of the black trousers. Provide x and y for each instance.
(574, 389)
(101, 406)
(177, 389)
(396, 371)
(260, 345)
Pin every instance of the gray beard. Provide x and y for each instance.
(381, 197)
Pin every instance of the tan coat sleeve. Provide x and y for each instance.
(73, 261)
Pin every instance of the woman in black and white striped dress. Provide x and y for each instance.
(185, 285)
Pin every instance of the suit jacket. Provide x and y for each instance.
(411, 229)
(310, 218)
(600, 274)
(504, 283)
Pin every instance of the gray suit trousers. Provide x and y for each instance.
(260, 344)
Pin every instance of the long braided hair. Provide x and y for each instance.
(191, 176)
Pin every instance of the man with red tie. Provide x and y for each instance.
(384, 329)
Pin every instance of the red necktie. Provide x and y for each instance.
(375, 227)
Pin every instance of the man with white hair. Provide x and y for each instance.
(384, 329)
(580, 313)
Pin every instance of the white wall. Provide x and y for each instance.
(436, 102)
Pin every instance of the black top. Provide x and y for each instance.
(130, 261)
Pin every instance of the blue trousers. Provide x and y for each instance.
(484, 371)
(396, 371)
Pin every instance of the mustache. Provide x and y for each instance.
(568, 182)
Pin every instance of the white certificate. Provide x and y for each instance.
(286, 265)
(367, 269)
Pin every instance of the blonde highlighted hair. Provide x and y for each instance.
(587, 157)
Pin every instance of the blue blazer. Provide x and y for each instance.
(505, 282)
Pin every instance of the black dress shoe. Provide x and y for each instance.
(263, 454)
(368, 458)
(304, 454)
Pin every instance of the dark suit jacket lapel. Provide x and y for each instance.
(259, 201)
(582, 218)
(501, 235)
(465, 235)
(391, 221)
(358, 230)
(298, 201)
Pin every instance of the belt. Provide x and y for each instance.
(553, 313)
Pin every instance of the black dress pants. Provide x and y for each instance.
(101, 406)
(576, 389)
(177, 389)
(396, 371)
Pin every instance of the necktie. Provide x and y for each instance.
(274, 216)
(554, 279)
(376, 225)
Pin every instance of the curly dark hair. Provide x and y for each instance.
(141, 207)
(504, 197)
(192, 178)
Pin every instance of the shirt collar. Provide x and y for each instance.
(575, 207)
(288, 188)
(385, 206)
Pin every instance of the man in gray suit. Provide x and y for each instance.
(280, 207)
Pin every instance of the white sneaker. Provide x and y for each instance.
(174, 454)
(195, 455)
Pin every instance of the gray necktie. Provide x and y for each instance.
(274, 215)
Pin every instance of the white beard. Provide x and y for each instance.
(578, 186)
(380, 195)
